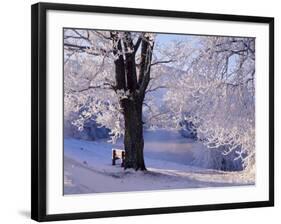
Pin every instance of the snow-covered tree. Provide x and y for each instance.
(116, 76)
(216, 94)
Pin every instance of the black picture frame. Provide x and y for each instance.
(38, 108)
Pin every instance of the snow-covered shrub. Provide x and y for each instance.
(215, 159)
(188, 130)
(89, 131)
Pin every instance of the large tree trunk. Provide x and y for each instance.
(127, 80)
(133, 139)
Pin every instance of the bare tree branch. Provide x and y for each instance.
(81, 36)
(71, 37)
(162, 62)
(76, 46)
(85, 49)
(136, 47)
(156, 88)
(102, 35)
(102, 86)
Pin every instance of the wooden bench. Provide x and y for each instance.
(118, 154)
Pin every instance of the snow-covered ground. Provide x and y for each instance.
(169, 160)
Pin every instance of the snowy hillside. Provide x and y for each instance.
(169, 160)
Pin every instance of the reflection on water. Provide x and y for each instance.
(170, 146)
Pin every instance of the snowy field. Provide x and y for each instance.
(171, 161)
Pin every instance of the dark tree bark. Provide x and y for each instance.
(133, 139)
(127, 79)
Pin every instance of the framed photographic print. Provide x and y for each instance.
(139, 111)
